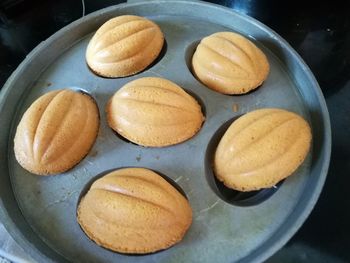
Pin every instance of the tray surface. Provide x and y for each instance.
(220, 231)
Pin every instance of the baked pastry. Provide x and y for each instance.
(261, 148)
(56, 132)
(154, 112)
(134, 210)
(229, 63)
(123, 46)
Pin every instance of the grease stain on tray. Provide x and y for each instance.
(235, 107)
(93, 153)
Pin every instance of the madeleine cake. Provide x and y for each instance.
(123, 46)
(229, 63)
(56, 132)
(154, 112)
(134, 210)
(261, 148)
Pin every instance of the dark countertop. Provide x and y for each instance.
(319, 32)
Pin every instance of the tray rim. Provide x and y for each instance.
(277, 242)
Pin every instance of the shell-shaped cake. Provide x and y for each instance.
(229, 63)
(123, 46)
(56, 132)
(134, 210)
(261, 148)
(154, 112)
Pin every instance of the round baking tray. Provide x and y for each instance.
(40, 212)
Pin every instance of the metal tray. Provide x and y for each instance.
(40, 212)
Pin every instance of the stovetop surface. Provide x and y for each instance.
(318, 31)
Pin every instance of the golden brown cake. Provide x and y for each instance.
(229, 63)
(123, 46)
(261, 148)
(56, 132)
(154, 112)
(134, 210)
